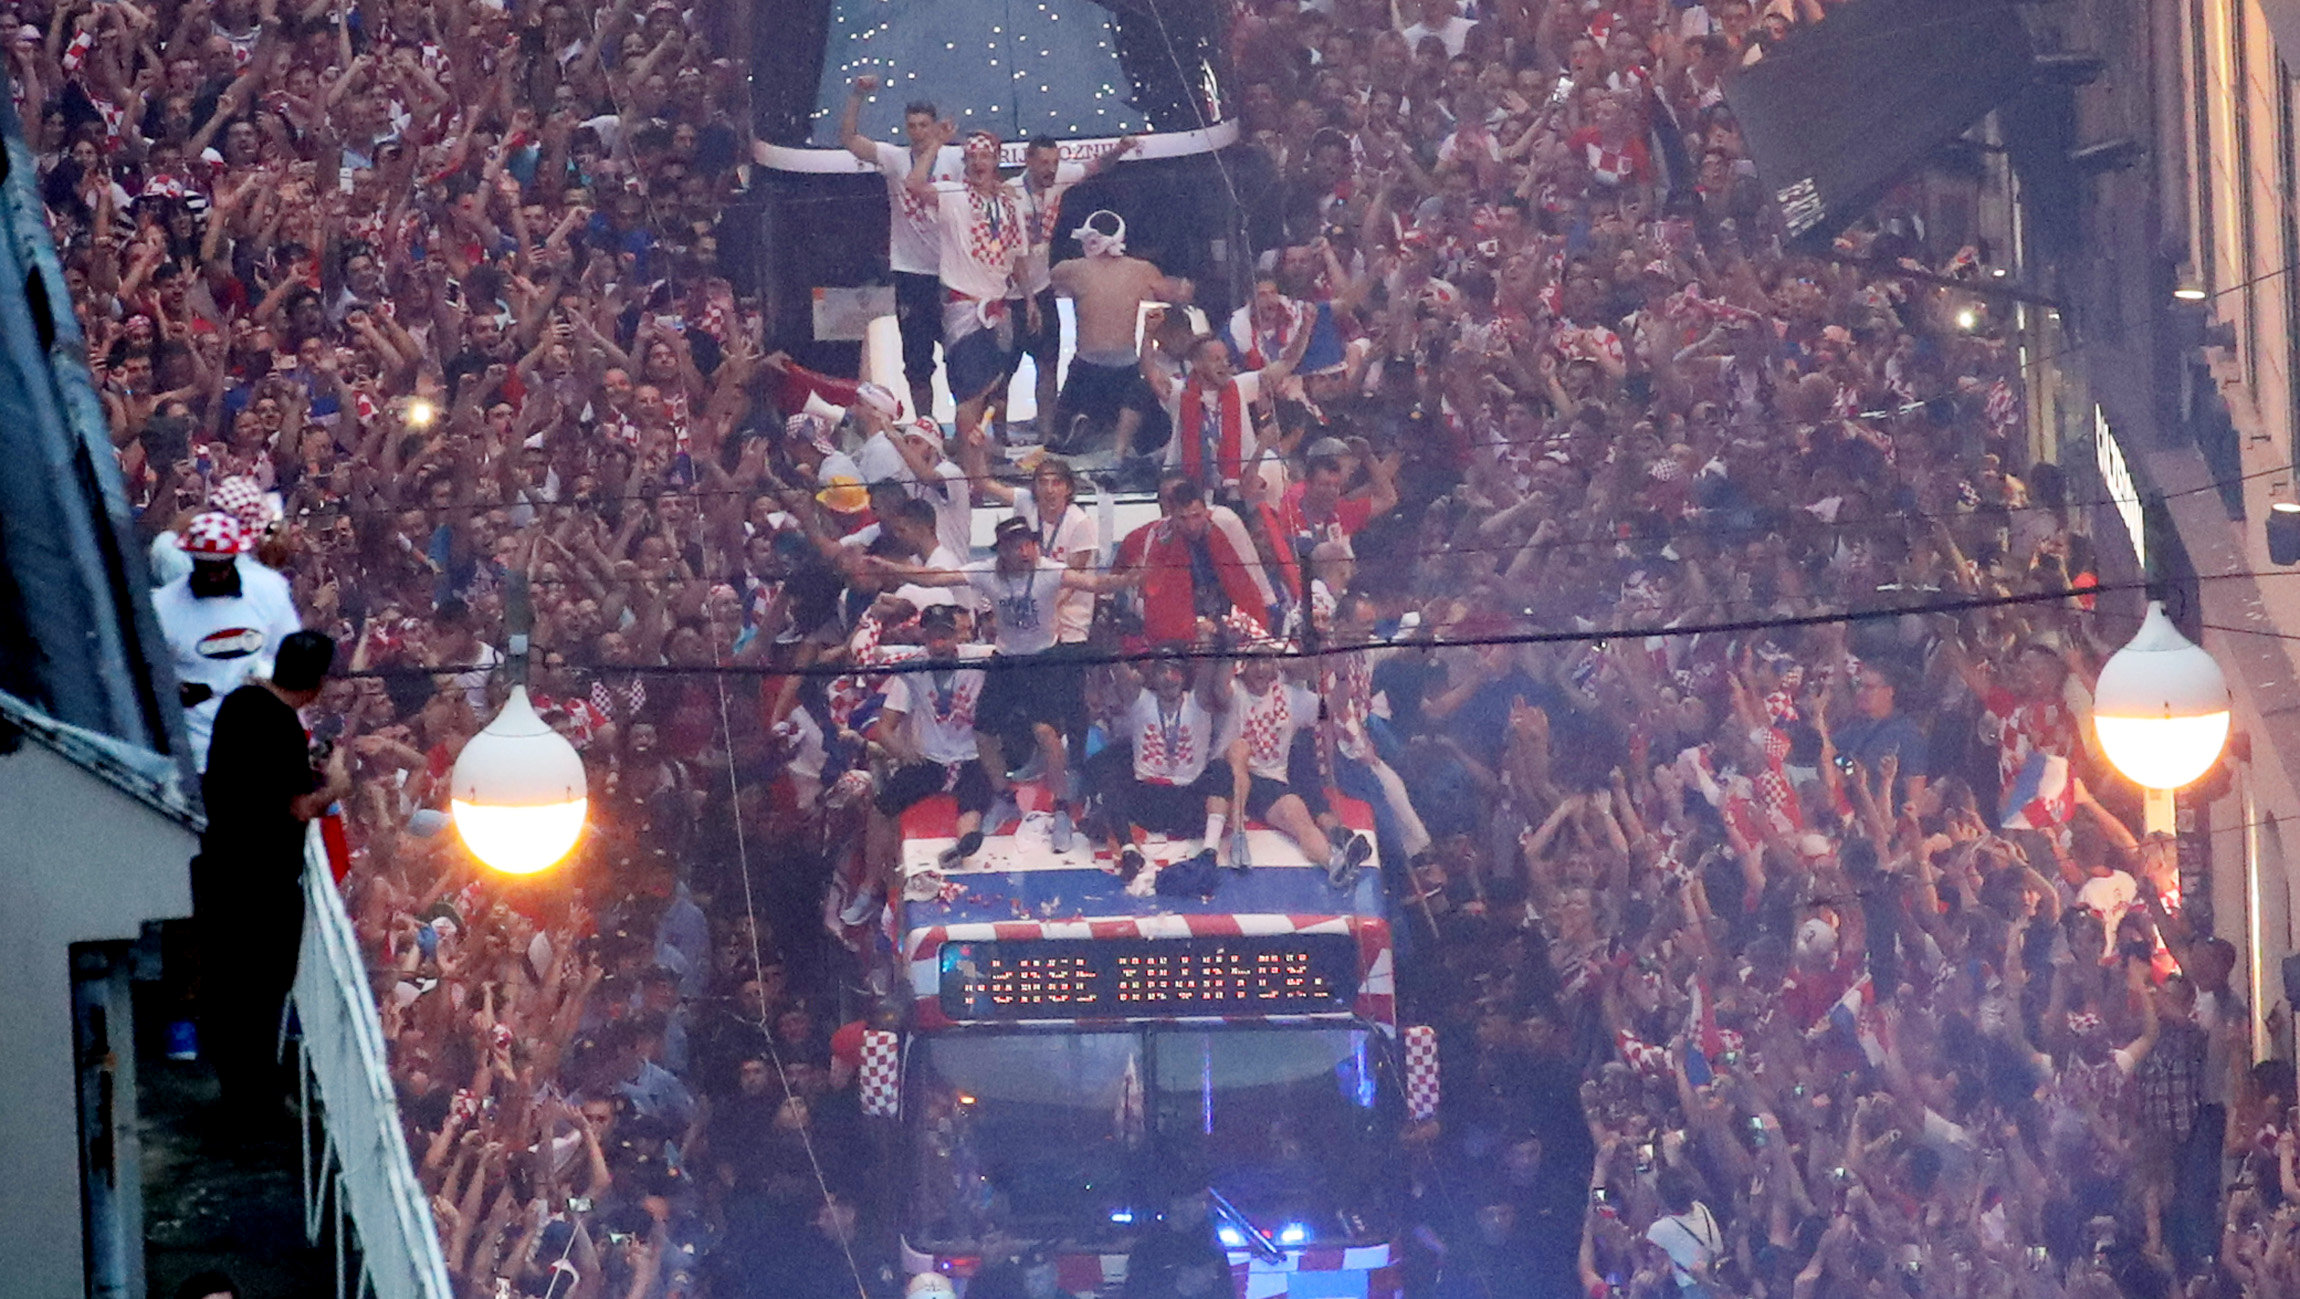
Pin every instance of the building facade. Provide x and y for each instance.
(2169, 385)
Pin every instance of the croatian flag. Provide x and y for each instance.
(2041, 795)
(1703, 1042)
(1855, 1015)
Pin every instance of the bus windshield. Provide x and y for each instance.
(1064, 1139)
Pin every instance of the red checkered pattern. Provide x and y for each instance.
(851, 691)
(1267, 727)
(994, 230)
(603, 698)
(1779, 800)
(2003, 407)
(1421, 1071)
(215, 535)
(1641, 1055)
(243, 499)
(2024, 728)
(881, 1076)
(1153, 754)
(1347, 682)
(1781, 707)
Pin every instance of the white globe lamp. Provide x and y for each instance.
(2161, 708)
(518, 791)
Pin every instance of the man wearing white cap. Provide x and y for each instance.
(222, 621)
(808, 439)
(1105, 385)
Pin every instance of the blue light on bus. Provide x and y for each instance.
(1293, 1233)
(1123, 1217)
(1231, 1236)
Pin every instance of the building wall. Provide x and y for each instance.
(2227, 156)
(82, 863)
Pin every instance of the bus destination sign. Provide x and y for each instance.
(1143, 978)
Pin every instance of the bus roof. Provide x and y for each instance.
(1017, 876)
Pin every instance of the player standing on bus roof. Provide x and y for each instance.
(1039, 190)
(911, 251)
(1108, 288)
(981, 236)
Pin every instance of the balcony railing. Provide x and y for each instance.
(360, 1169)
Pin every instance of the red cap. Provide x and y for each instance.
(847, 1044)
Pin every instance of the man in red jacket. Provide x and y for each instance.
(1193, 567)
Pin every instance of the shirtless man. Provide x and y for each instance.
(1109, 288)
(1039, 190)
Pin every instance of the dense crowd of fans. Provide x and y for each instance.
(1798, 962)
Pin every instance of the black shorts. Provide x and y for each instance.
(1177, 810)
(918, 315)
(975, 364)
(1261, 792)
(1041, 687)
(1044, 344)
(1100, 392)
(1302, 777)
(913, 783)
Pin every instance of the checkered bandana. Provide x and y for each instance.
(214, 535)
(243, 499)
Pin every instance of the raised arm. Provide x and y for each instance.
(850, 121)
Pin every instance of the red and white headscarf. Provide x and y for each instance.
(214, 535)
(243, 499)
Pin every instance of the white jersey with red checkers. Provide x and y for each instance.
(1267, 722)
(1171, 742)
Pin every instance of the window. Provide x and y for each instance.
(1072, 1139)
(2200, 152)
(2240, 184)
(2287, 185)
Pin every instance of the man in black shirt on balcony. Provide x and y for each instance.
(261, 789)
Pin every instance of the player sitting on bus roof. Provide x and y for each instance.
(926, 727)
(1274, 764)
(1173, 727)
(1020, 586)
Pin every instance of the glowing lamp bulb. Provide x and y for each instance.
(2161, 708)
(518, 792)
(1968, 319)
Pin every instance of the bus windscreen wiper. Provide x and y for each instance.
(1260, 1243)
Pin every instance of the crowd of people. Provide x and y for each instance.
(1808, 961)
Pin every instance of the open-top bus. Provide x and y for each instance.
(1073, 1038)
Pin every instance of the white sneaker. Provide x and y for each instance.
(861, 909)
